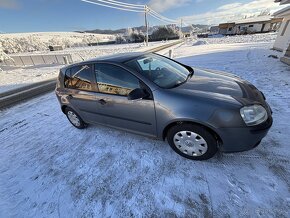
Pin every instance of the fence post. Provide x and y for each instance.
(171, 53)
(65, 60)
(21, 60)
(32, 60)
(43, 59)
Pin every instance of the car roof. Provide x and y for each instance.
(115, 58)
(119, 58)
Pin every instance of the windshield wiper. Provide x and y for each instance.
(187, 78)
(190, 74)
(180, 83)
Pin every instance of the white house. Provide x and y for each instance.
(282, 42)
(226, 28)
(260, 24)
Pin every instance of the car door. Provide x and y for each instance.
(114, 84)
(81, 92)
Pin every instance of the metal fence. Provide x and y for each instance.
(33, 60)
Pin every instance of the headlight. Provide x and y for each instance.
(254, 115)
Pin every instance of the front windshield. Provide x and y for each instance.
(162, 71)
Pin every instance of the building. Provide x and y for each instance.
(283, 2)
(260, 24)
(214, 29)
(226, 28)
(282, 42)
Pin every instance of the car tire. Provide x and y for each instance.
(192, 141)
(75, 119)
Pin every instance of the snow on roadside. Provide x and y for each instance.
(15, 77)
(263, 37)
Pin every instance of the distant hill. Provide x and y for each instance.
(196, 27)
(99, 31)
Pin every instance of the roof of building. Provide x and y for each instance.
(259, 19)
(282, 12)
(282, 2)
(226, 25)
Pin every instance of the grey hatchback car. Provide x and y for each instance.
(198, 111)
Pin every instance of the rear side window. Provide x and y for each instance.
(115, 80)
(79, 77)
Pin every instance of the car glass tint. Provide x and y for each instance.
(115, 80)
(162, 71)
(79, 77)
(67, 78)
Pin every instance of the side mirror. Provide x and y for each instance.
(137, 94)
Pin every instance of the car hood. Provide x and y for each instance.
(217, 82)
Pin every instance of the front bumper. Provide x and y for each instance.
(245, 138)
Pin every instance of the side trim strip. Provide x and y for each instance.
(121, 118)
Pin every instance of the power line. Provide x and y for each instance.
(160, 19)
(115, 7)
(133, 8)
(161, 16)
(124, 3)
(119, 4)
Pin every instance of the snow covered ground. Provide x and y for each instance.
(264, 37)
(50, 169)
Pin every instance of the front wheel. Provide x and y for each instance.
(192, 141)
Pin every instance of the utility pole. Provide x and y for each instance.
(146, 23)
(181, 27)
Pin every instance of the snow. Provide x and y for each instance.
(251, 38)
(39, 41)
(200, 42)
(15, 77)
(50, 169)
(3, 55)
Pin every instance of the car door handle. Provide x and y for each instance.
(102, 102)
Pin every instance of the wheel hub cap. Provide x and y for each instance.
(190, 143)
(73, 118)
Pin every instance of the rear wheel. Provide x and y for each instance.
(192, 141)
(75, 119)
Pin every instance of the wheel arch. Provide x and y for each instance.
(208, 128)
(63, 107)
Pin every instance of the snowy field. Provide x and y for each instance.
(50, 169)
(39, 41)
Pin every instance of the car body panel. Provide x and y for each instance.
(134, 115)
(212, 99)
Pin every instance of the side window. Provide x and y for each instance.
(79, 77)
(115, 80)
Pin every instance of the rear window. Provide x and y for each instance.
(79, 77)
